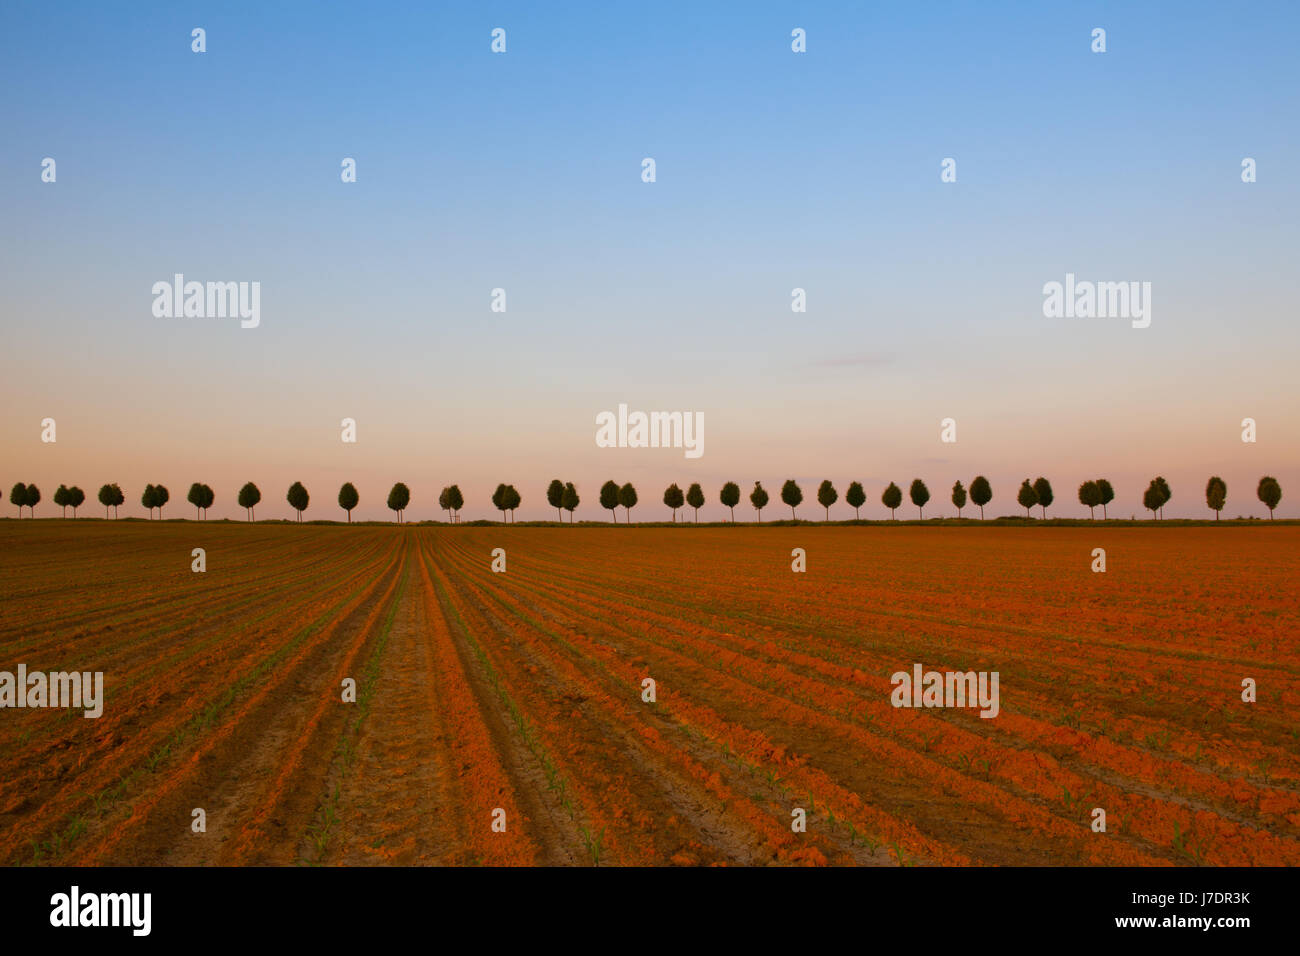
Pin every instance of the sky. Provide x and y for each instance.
(775, 170)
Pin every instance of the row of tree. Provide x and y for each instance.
(1093, 494)
(563, 496)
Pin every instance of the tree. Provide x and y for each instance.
(1027, 496)
(1107, 496)
(106, 498)
(455, 499)
(209, 496)
(1216, 495)
(609, 498)
(163, 496)
(827, 496)
(149, 499)
(443, 503)
(249, 496)
(569, 500)
(981, 493)
(513, 501)
(674, 499)
(1165, 494)
(33, 498)
(555, 496)
(855, 498)
(110, 496)
(959, 496)
(1269, 492)
(891, 498)
(349, 498)
(75, 499)
(1151, 499)
(919, 495)
(627, 498)
(298, 498)
(499, 501)
(195, 497)
(398, 499)
(758, 498)
(1043, 488)
(695, 498)
(18, 496)
(61, 498)
(791, 494)
(730, 497)
(1090, 495)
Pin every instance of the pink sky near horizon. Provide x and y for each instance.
(476, 447)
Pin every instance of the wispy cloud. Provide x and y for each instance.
(854, 361)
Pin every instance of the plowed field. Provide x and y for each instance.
(516, 698)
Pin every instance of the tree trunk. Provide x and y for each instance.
(1104, 515)
(733, 514)
(981, 512)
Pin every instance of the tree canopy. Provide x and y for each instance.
(855, 498)
(792, 495)
(730, 497)
(919, 495)
(398, 498)
(827, 496)
(891, 498)
(981, 493)
(349, 498)
(298, 498)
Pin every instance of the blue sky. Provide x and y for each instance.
(775, 170)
